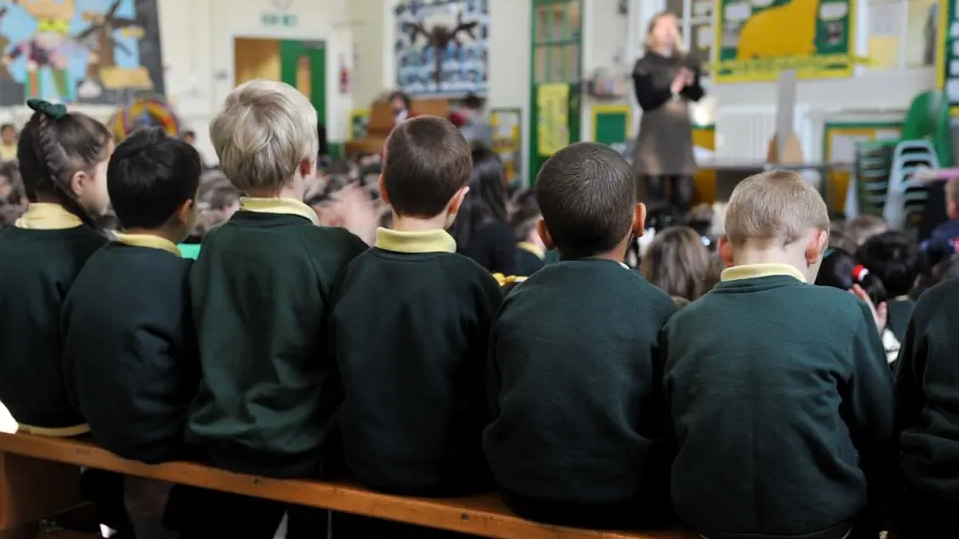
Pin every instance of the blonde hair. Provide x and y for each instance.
(677, 262)
(778, 206)
(678, 46)
(265, 130)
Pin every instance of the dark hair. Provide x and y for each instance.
(151, 175)
(188, 133)
(402, 97)
(677, 262)
(586, 193)
(525, 214)
(946, 270)
(894, 257)
(486, 201)
(54, 148)
(472, 102)
(841, 270)
(427, 161)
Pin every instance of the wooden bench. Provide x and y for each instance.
(483, 515)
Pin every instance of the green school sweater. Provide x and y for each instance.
(129, 350)
(528, 259)
(574, 386)
(410, 329)
(899, 313)
(927, 382)
(775, 387)
(260, 291)
(37, 269)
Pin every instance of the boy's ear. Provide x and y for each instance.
(307, 168)
(457, 200)
(639, 220)
(816, 246)
(725, 251)
(544, 235)
(185, 212)
(382, 187)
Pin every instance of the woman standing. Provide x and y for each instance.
(665, 79)
(480, 229)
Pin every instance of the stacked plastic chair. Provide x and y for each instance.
(906, 200)
(144, 111)
(872, 167)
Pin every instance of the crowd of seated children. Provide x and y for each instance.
(260, 292)
(524, 216)
(576, 433)
(63, 160)
(677, 262)
(783, 409)
(414, 407)
(482, 230)
(216, 201)
(859, 229)
(894, 257)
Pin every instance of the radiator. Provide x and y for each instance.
(743, 132)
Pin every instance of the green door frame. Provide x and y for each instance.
(290, 53)
(544, 44)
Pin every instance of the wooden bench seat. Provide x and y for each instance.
(483, 515)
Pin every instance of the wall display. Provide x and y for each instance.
(947, 67)
(95, 51)
(359, 124)
(507, 126)
(442, 46)
(146, 111)
(552, 114)
(612, 125)
(759, 38)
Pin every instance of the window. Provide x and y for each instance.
(697, 27)
(902, 33)
(556, 42)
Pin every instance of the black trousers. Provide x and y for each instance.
(105, 490)
(680, 190)
(926, 516)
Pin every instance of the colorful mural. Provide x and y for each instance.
(83, 51)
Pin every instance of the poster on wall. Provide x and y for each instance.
(442, 46)
(552, 112)
(79, 51)
(759, 38)
(947, 69)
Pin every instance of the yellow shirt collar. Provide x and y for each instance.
(421, 241)
(288, 206)
(751, 271)
(47, 216)
(146, 240)
(531, 248)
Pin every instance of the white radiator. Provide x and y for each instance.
(743, 132)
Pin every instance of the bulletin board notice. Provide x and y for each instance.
(947, 68)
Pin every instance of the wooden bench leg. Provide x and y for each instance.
(31, 489)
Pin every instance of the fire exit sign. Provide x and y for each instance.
(287, 20)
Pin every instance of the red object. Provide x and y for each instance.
(859, 272)
(344, 79)
(457, 119)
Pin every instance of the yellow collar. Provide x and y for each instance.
(504, 280)
(531, 248)
(751, 271)
(146, 240)
(423, 241)
(289, 206)
(47, 216)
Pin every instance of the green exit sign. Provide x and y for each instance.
(287, 20)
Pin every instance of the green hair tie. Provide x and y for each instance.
(54, 111)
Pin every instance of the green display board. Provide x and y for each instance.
(755, 42)
(612, 125)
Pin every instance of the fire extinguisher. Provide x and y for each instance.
(344, 77)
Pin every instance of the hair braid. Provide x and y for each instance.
(55, 165)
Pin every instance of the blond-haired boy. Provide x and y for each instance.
(779, 391)
(260, 291)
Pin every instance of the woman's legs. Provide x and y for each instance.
(681, 192)
(652, 189)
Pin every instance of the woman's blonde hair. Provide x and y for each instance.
(678, 45)
(677, 263)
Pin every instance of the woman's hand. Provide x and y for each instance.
(879, 312)
(681, 80)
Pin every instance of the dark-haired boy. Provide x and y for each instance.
(530, 251)
(927, 419)
(410, 325)
(577, 429)
(780, 396)
(894, 257)
(130, 359)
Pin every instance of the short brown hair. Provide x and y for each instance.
(427, 161)
(778, 206)
(861, 228)
(677, 262)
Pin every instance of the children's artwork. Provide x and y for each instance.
(146, 111)
(758, 39)
(83, 51)
(552, 104)
(442, 46)
(507, 124)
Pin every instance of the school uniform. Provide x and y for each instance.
(260, 292)
(782, 405)
(409, 330)
(898, 312)
(39, 259)
(529, 258)
(577, 431)
(926, 385)
(129, 349)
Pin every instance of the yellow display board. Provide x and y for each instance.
(839, 146)
(704, 181)
(552, 104)
(507, 125)
(359, 123)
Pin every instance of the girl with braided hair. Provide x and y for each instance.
(63, 160)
